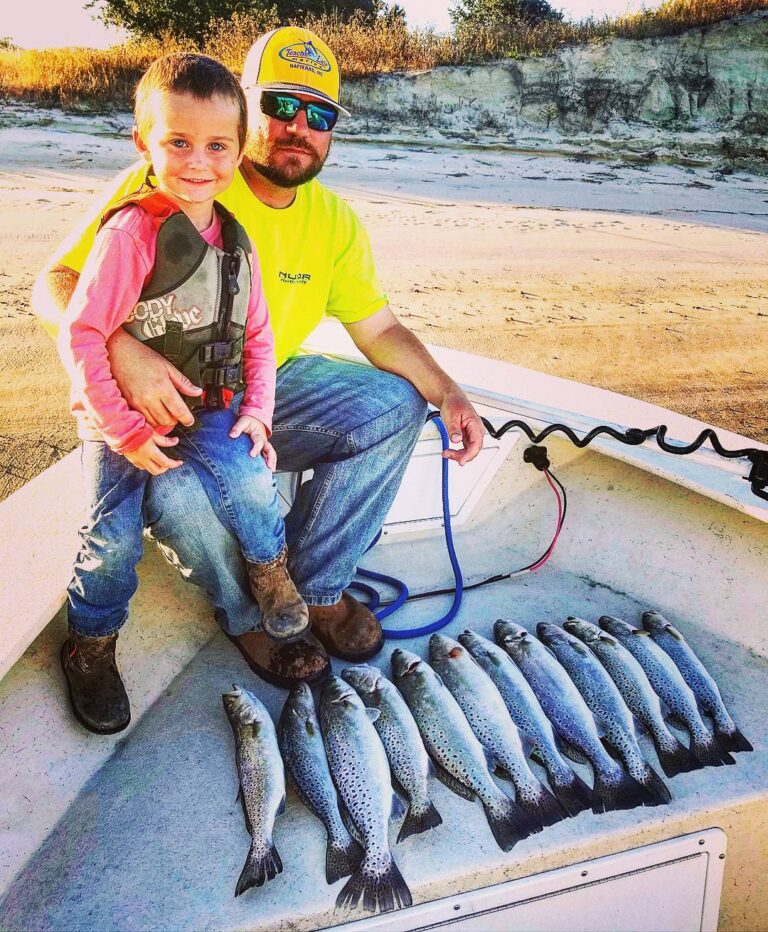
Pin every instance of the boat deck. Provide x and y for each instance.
(154, 837)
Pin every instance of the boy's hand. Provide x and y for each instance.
(258, 434)
(151, 458)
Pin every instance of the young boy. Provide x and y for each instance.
(178, 272)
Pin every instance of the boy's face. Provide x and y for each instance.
(192, 144)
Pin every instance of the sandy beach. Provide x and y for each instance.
(649, 280)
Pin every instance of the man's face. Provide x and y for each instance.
(287, 154)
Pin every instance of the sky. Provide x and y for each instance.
(45, 23)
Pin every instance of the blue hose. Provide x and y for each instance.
(402, 598)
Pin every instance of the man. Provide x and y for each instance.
(354, 426)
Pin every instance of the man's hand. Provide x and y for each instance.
(252, 426)
(149, 383)
(463, 425)
(151, 458)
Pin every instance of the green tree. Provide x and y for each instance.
(183, 19)
(500, 14)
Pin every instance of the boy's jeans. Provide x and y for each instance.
(356, 428)
(240, 490)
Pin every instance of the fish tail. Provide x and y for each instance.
(732, 740)
(262, 864)
(709, 753)
(617, 791)
(677, 758)
(420, 820)
(543, 806)
(655, 787)
(379, 892)
(572, 793)
(509, 823)
(342, 858)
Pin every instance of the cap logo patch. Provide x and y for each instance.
(305, 56)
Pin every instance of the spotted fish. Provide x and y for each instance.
(535, 728)
(642, 701)
(488, 717)
(695, 674)
(458, 755)
(262, 783)
(361, 773)
(599, 691)
(400, 736)
(301, 744)
(570, 717)
(670, 687)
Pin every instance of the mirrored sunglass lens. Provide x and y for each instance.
(285, 107)
(322, 118)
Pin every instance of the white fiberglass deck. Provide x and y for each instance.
(142, 830)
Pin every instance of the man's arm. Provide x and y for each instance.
(386, 343)
(147, 381)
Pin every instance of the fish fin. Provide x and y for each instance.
(529, 748)
(241, 799)
(421, 821)
(281, 807)
(379, 892)
(656, 788)
(573, 753)
(343, 856)
(398, 808)
(624, 792)
(452, 783)
(677, 759)
(398, 787)
(545, 808)
(733, 740)
(431, 772)
(494, 765)
(262, 864)
(573, 795)
(710, 754)
(509, 824)
(373, 714)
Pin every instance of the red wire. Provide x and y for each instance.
(551, 547)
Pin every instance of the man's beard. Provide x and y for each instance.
(290, 174)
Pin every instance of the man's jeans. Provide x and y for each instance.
(355, 427)
(240, 490)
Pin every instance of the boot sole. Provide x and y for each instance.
(283, 682)
(86, 724)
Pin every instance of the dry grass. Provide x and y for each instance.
(71, 77)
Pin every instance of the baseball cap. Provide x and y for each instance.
(294, 59)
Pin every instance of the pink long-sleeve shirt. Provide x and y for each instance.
(120, 263)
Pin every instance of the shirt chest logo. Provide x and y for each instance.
(294, 278)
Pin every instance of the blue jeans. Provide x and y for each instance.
(355, 427)
(240, 490)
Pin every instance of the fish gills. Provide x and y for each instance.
(701, 681)
(301, 744)
(262, 784)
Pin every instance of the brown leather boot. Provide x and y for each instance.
(347, 629)
(302, 660)
(96, 690)
(284, 614)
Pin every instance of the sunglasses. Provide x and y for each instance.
(285, 107)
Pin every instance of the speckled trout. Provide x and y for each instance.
(600, 693)
(634, 686)
(535, 728)
(670, 687)
(488, 717)
(262, 783)
(698, 678)
(301, 744)
(361, 773)
(458, 755)
(400, 736)
(570, 717)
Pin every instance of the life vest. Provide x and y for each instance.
(194, 307)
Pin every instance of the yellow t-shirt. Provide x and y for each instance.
(315, 255)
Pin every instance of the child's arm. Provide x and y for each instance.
(106, 293)
(259, 374)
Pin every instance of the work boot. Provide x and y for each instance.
(284, 614)
(347, 629)
(282, 663)
(97, 693)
